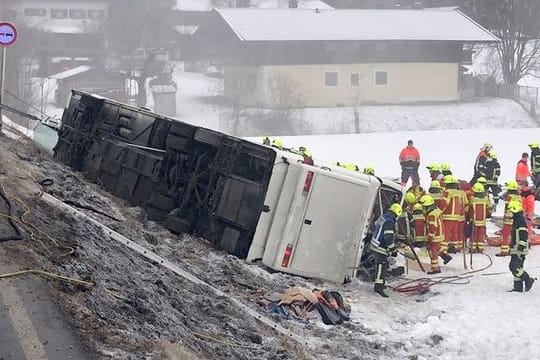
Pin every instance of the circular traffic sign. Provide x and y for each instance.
(8, 34)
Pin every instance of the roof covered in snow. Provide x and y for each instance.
(71, 72)
(372, 24)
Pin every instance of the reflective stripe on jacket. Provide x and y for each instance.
(435, 231)
(480, 208)
(520, 235)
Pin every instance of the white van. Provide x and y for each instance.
(315, 219)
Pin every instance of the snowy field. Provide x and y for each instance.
(479, 320)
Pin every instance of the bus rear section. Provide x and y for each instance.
(317, 222)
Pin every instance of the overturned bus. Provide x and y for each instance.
(253, 201)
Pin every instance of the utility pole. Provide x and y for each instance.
(8, 36)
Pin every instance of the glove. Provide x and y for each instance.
(519, 253)
(394, 253)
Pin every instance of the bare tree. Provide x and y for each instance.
(515, 22)
(286, 99)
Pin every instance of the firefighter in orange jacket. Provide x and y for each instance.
(435, 234)
(453, 208)
(527, 199)
(522, 168)
(479, 211)
(510, 195)
(419, 221)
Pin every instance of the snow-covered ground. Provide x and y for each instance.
(195, 105)
(479, 320)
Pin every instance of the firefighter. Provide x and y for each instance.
(535, 164)
(419, 222)
(348, 166)
(453, 206)
(519, 247)
(480, 162)
(522, 168)
(436, 192)
(479, 211)
(493, 171)
(435, 172)
(383, 244)
(266, 141)
(511, 194)
(277, 143)
(417, 190)
(435, 234)
(306, 154)
(527, 200)
(369, 170)
(445, 169)
(409, 159)
(404, 228)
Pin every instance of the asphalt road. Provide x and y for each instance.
(31, 325)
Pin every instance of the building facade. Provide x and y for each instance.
(314, 58)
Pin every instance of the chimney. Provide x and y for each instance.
(293, 4)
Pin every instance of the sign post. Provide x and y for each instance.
(8, 36)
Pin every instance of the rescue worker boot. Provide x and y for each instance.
(379, 289)
(501, 254)
(433, 271)
(529, 281)
(452, 249)
(518, 286)
(446, 258)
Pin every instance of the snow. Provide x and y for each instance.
(195, 90)
(71, 72)
(303, 24)
(194, 5)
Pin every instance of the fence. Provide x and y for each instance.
(527, 96)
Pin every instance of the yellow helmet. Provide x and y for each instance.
(396, 209)
(433, 167)
(486, 147)
(533, 145)
(450, 179)
(511, 185)
(410, 198)
(445, 167)
(417, 207)
(492, 154)
(427, 200)
(304, 151)
(482, 180)
(478, 188)
(515, 206)
(435, 184)
(278, 144)
(370, 170)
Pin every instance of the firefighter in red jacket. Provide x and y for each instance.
(479, 211)
(510, 195)
(409, 159)
(453, 208)
(436, 192)
(435, 234)
(419, 221)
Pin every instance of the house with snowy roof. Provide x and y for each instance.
(324, 58)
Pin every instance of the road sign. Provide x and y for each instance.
(8, 34)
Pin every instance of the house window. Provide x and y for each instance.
(35, 12)
(355, 80)
(96, 14)
(331, 78)
(77, 14)
(381, 77)
(59, 13)
(252, 82)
